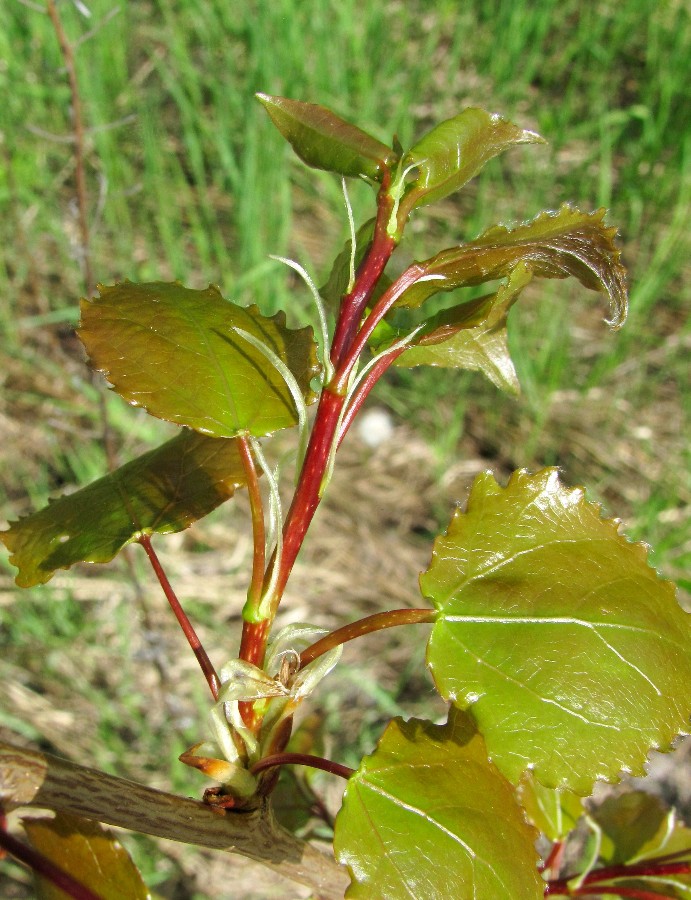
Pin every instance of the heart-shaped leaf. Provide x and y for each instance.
(426, 815)
(455, 151)
(176, 352)
(89, 853)
(572, 652)
(554, 245)
(163, 491)
(481, 347)
(324, 141)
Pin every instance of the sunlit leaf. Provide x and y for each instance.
(455, 151)
(553, 812)
(573, 654)
(324, 141)
(175, 351)
(464, 345)
(426, 815)
(89, 853)
(553, 245)
(163, 491)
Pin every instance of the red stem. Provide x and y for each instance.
(382, 306)
(365, 387)
(46, 868)
(553, 861)
(191, 635)
(368, 625)
(596, 881)
(368, 274)
(302, 759)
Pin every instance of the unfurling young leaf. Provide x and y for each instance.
(88, 852)
(553, 245)
(481, 346)
(427, 815)
(455, 151)
(324, 141)
(573, 654)
(178, 353)
(162, 492)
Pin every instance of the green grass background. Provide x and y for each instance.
(188, 179)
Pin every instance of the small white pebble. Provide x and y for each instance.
(375, 426)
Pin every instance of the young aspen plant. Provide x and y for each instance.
(564, 658)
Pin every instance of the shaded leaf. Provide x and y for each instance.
(174, 351)
(629, 822)
(455, 151)
(553, 812)
(325, 141)
(427, 816)
(572, 652)
(89, 853)
(482, 347)
(554, 245)
(163, 491)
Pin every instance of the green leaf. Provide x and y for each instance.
(572, 652)
(426, 815)
(553, 812)
(455, 151)
(554, 245)
(628, 823)
(324, 141)
(89, 853)
(465, 345)
(163, 491)
(175, 352)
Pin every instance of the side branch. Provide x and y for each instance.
(30, 778)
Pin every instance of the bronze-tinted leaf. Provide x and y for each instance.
(89, 853)
(176, 352)
(461, 343)
(325, 141)
(163, 491)
(554, 245)
(572, 652)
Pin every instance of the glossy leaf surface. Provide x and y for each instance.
(175, 352)
(554, 245)
(481, 347)
(89, 853)
(456, 150)
(325, 141)
(573, 654)
(426, 815)
(163, 491)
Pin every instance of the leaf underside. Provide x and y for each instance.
(481, 347)
(174, 351)
(163, 491)
(553, 245)
(573, 654)
(426, 815)
(89, 853)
